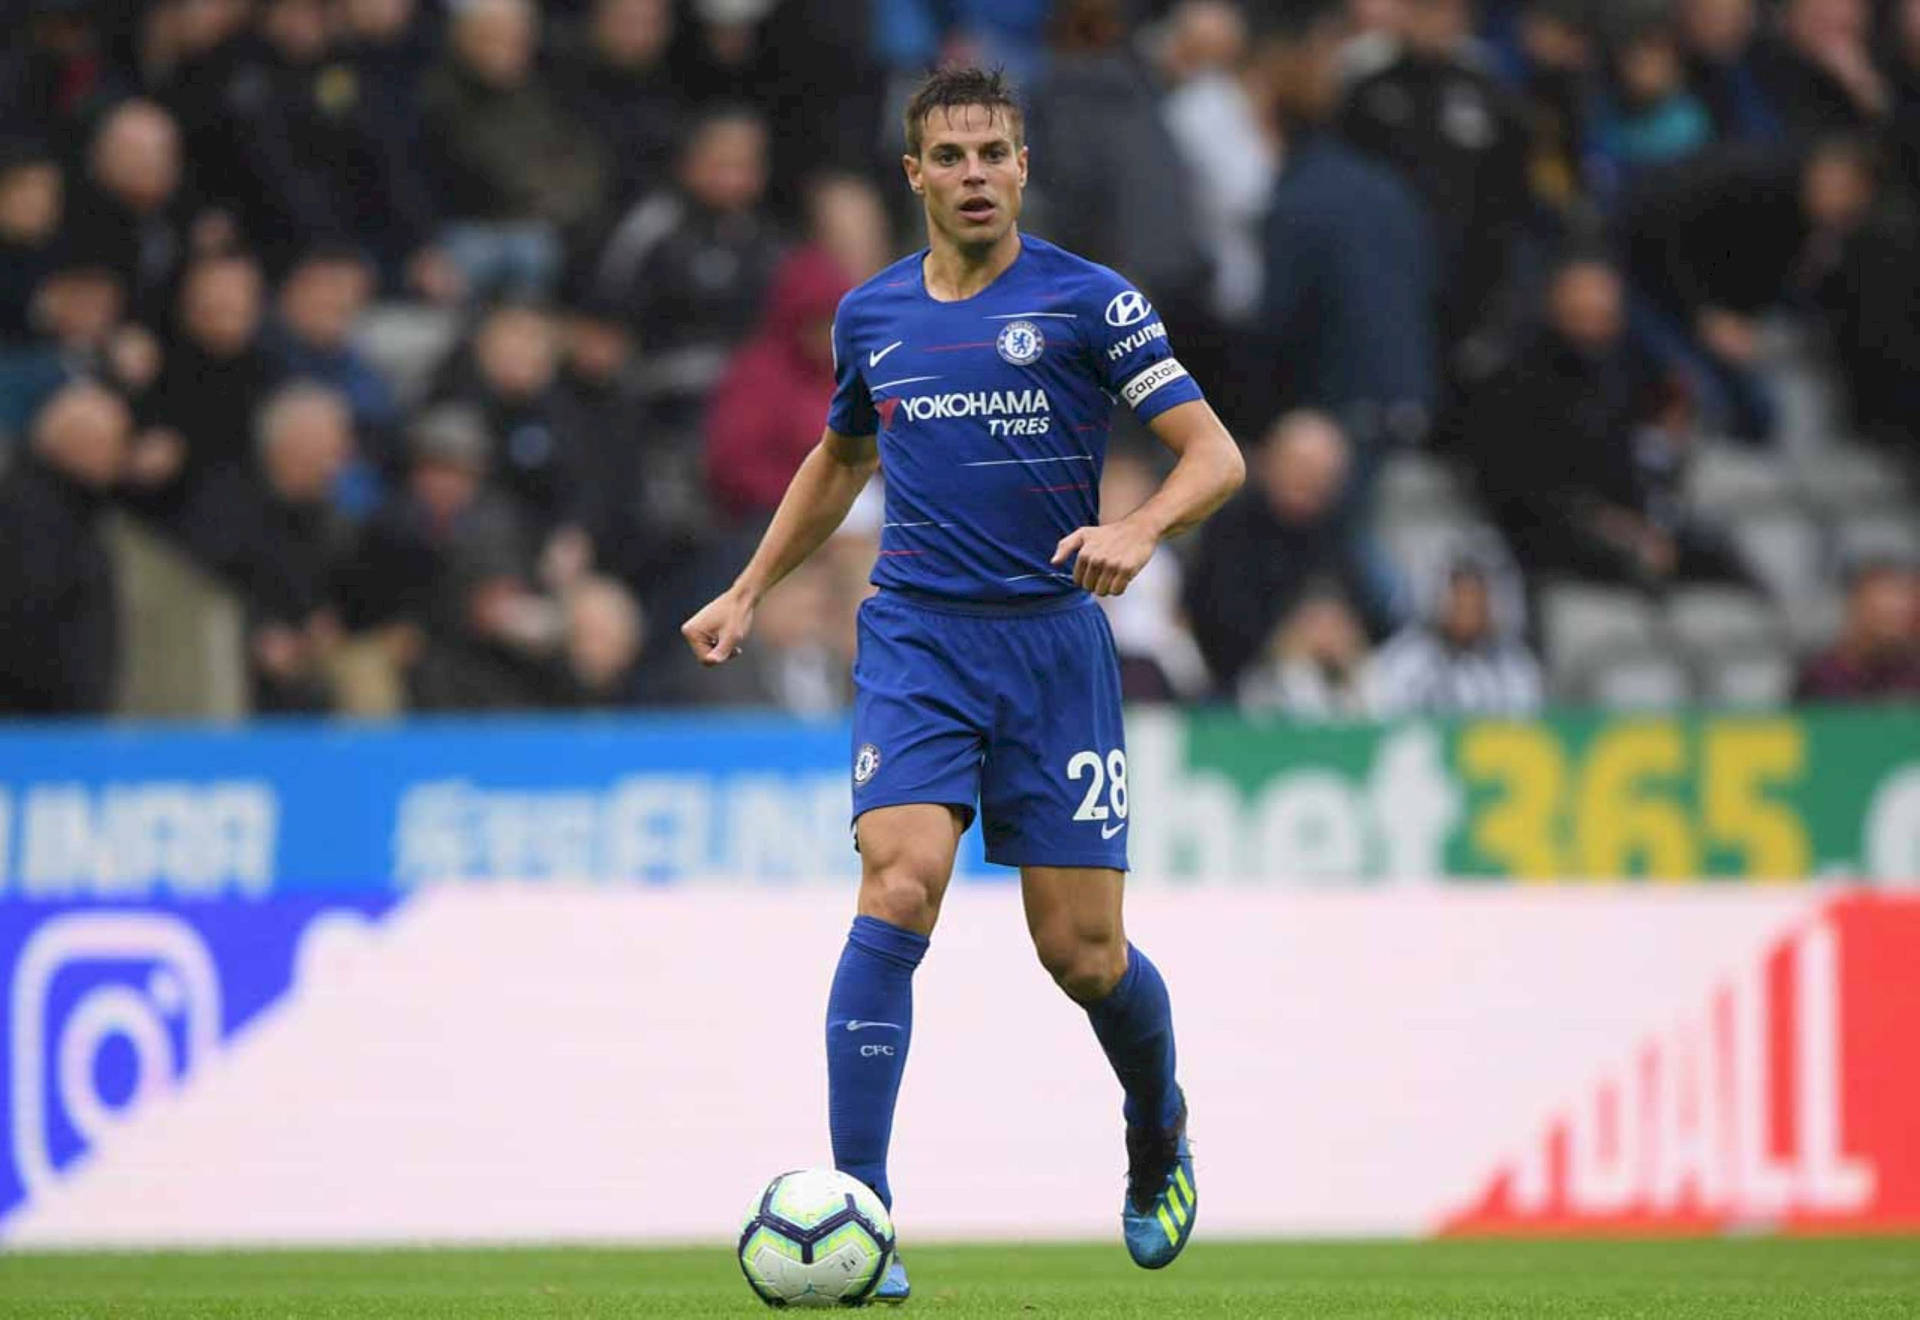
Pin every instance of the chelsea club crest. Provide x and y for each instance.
(1020, 342)
(865, 762)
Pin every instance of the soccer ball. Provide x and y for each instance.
(816, 1237)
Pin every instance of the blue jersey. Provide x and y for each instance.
(992, 414)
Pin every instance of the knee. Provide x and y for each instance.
(901, 895)
(1087, 969)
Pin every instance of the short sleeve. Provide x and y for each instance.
(851, 412)
(1131, 351)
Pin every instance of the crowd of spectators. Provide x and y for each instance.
(1552, 245)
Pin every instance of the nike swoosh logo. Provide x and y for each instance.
(873, 359)
(1108, 833)
(857, 1025)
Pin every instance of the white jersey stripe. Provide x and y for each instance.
(1002, 462)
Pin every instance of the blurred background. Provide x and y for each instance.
(386, 361)
(373, 355)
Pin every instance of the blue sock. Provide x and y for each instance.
(1135, 1026)
(869, 1023)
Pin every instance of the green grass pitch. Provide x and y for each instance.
(1752, 1277)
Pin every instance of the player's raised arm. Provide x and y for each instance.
(1209, 471)
(831, 477)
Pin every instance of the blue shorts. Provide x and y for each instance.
(1015, 708)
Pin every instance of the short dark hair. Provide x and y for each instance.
(330, 252)
(1860, 152)
(1862, 563)
(1581, 250)
(1289, 22)
(715, 116)
(19, 152)
(952, 89)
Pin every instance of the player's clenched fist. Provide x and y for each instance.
(1110, 557)
(718, 632)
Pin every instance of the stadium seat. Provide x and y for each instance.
(1414, 485)
(1648, 681)
(1419, 547)
(406, 341)
(1726, 481)
(1805, 401)
(183, 631)
(1418, 543)
(1786, 549)
(1845, 479)
(1759, 676)
(1892, 532)
(1581, 621)
(1813, 621)
(1716, 620)
(1412, 539)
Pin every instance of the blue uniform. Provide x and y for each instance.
(984, 675)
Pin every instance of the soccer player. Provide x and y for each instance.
(980, 374)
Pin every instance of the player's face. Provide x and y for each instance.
(971, 172)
